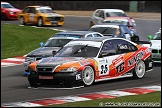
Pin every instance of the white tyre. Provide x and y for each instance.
(140, 69)
(22, 21)
(40, 22)
(88, 76)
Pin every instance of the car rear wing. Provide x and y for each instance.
(144, 43)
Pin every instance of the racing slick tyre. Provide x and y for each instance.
(33, 82)
(22, 22)
(91, 24)
(136, 39)
(139, 70)
(88, 76)
(3, 16)
(40, 22)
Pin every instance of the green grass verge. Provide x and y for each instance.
(151, 99)
(19, 40)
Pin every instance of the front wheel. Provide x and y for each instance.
(139, 70)
(136, 39)
(91, 24)
(22, 21)
(3, 16)
(33, 82)
(40, 22)
(88, 76)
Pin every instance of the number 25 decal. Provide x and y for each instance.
(104, 69)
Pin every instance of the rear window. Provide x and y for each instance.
(105, 30)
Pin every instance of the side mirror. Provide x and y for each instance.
(149, 37)
(41, 44)
(103, 54)
(54, 52)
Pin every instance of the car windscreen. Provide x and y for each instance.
(6, 6)
(157, 36)
(105, 30)
(78, 51)
(116, 21)
(108, 14)
(56, 42)
(44, 10)
(68, 35)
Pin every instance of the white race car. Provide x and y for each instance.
(99, 15)
(156, 46)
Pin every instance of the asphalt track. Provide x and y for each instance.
(14, 87)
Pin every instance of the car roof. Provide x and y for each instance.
(76, 32)
(95, 39)
(37, 6)
(112, 10)
(63, 38)
(4, 3)
(99, 39)
(115, 25)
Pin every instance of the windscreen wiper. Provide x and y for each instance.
(79, 49)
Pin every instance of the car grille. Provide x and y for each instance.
(38, 58)
(156, 51)
(15, 12)
(55, 18)
(45, 69)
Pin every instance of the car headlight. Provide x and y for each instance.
(10, 12)
(62, 18)
(71, 69)
(29, 59)
(48, 18)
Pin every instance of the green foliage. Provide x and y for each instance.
(19, 40)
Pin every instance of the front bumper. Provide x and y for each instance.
(54, 23)
(156, 57)
(12, 16)
(56, 78)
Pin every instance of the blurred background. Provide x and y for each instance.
(131, 6)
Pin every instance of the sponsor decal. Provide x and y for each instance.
(84, 62)
(78, 76)
(148, 50)
(136, 58)
(117, 61)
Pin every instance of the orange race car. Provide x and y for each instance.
(40, 15)
(88, 60)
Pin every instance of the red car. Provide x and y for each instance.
(8, 11)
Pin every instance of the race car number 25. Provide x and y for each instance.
(104, 69)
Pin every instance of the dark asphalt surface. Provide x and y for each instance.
(14, 85)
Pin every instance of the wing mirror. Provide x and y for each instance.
(105, 53)
(41, 44)
(54, 52)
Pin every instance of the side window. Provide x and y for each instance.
(26, 10)
(108, 49)
(32, 10)
(89, 35)
(124, 46)
(97, 35)
(107, 14)
(97, 14)
(102, 14)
